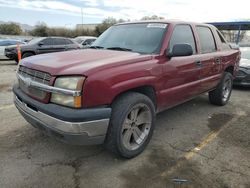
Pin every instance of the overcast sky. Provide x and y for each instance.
(68, 12)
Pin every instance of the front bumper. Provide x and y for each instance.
(74, 126)
(242, 78)
(10, 54)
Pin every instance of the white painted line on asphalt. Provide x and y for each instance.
(205, 141)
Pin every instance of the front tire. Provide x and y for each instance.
(131, 125)
(221, 95)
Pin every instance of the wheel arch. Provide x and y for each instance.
(29, 51)
(146, 90)
(230, 69)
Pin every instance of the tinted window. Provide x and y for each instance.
(59, 41)
(206, 39)
(47, 41)
(182, 34)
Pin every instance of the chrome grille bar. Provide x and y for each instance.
(29, 82)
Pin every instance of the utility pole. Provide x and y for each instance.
(82, 18)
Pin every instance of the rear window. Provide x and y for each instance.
(206, 39)
(224, 44)
(221, 37)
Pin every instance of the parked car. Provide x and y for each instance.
(85, 41)
(42, 45)
(243, 75)
(7, 42)
(111, 92)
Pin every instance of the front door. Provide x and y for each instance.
(181, 74)
(46, 46)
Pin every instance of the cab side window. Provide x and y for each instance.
(182, 34)
(47, 41)
(59, 41)
(206, 39)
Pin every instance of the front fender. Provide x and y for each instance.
(102, 93)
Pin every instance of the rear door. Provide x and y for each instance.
(59, 44)
(210, 59)
(181, 74)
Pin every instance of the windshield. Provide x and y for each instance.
(245, 52)
(143, 38)
(35, 40)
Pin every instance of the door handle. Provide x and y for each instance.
(217, 60)
(198, 63)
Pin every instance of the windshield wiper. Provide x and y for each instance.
(96, 47)
(119, 48)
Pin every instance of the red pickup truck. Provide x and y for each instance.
(111, 92)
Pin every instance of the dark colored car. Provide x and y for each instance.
(40, 46)
(112, 92)
(243, 75)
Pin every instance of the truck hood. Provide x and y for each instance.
(81, 62)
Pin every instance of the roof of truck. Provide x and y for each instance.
(165, 21)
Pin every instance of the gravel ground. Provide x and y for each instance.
(206, 145)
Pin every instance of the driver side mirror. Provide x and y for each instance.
(180, 50)
(40, 43)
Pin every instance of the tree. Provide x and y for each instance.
(10, 29)
(40, 31)
(108, 22)
(231, 35)
(154, 17)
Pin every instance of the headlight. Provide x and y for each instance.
(70, 83)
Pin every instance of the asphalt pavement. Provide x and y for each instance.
(195, 144)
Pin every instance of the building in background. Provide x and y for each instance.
(86, 26)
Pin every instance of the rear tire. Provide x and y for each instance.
(221, 95)
(131, 125)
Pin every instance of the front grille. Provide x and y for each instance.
(240, 73)
(9, 49)
(34, 75)
(247, 78)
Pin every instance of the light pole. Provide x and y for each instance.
(82, 18)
